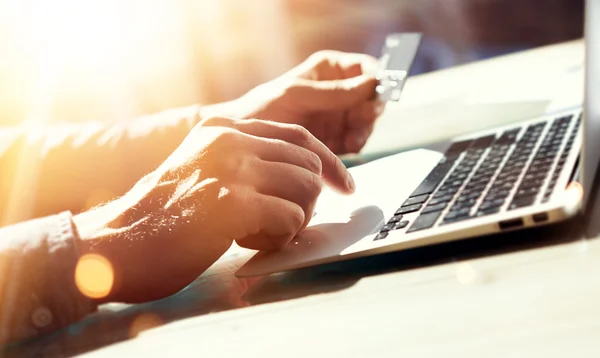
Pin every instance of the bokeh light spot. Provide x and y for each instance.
(144, 322)
(94, 276)
(466, 274)
(574, 192)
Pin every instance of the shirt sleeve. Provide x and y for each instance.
(38, 293)
(50, 168)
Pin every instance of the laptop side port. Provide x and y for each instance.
(510, 224)
(540, 217)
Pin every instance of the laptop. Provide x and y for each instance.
(532, 173)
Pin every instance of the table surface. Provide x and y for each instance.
(530, 293)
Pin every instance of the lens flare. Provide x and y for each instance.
(466, 274)
(94, 276)
(144, 322)
(574, 192)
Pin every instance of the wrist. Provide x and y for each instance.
(111, 217)
(103, 234)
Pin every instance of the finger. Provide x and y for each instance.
(358, 64)
(366, 63)
(351, 64)
(277, 150)
(277, 220)
(288, 182)
(360, 123)
(356, 139)
(333, 170)
(351, 70)
(333, 95)
(362, 115)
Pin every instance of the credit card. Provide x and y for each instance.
(397, 57)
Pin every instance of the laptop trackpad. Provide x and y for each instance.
(342, 220)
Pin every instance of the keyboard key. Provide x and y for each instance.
(470, 195)
(505, 184)
(487, 211)
(381, 235)
(462, 170)
(388, 227)
(546, 199)
(431, 208)
(475, 187)
(452, 184)
(483, 142)
(521, 202)
(408, 209)
(416, 200)
(521, 192)
(395, 218)
(508, 137)
(434, 178)
(498, 192)
(534, 176)
(440, 200)
(455, 219)
(448, 191)
(457, 148)
(480, 179)
(401, 225)
(458, 176)
(465, 201)
(537, 183)
(424, 221)
(459, 212)
(489, 204)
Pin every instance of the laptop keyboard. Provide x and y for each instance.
(488, 175)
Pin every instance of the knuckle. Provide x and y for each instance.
(236, 165)
(296, 219)
(299, 134)
(215, 122)
(314, 163)
(226, 138)
(323, 56)
(224, 155)
(291, 89)
(314, 186)
(241, 166)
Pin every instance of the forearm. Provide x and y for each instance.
(154, 248)
(45, 170)
(56, 270)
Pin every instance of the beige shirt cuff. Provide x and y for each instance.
(38, 294)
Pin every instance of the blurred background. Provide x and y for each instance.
(77, 60)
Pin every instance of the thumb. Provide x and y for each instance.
(334, 94)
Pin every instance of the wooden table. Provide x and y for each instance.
(526, 294)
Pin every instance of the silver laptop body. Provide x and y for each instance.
(515, 177)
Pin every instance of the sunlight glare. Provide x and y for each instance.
(94, 276)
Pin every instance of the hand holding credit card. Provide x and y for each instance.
(397, 57)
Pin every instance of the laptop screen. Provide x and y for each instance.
(591, 140)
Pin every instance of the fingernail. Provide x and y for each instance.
(350, 183)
